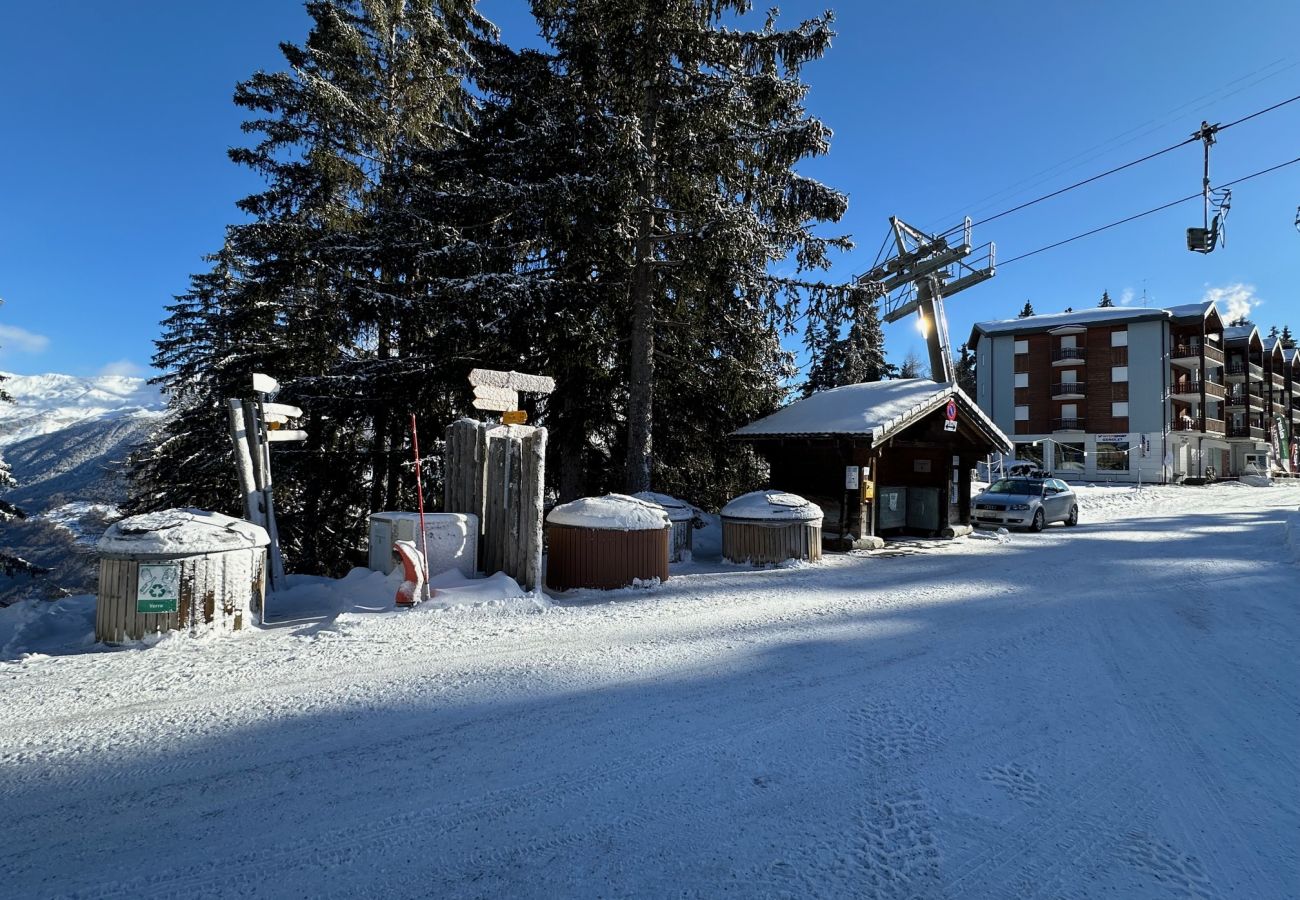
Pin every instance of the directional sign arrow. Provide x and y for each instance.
(265, 384)
(488, 392)
(515, 381)
(496, 405)
(286, 435)
(281, 409)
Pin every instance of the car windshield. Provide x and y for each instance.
(1016, 486)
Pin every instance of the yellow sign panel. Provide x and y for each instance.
(514, 417)
(868, 490)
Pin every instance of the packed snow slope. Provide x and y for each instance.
(1104, 711)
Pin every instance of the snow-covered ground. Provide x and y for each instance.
(43, 404)
(1105, 711)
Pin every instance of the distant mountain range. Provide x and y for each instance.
(66, 440)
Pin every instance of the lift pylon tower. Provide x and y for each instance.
(1218, 202)
(922, 271)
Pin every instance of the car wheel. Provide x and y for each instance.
(1039, 521)
(1074, 517)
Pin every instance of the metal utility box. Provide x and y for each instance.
(452, 539)
(891, 508)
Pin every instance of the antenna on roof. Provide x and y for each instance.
(1206, 238)
(924, 269)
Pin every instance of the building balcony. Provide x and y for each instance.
(1069, 356)
(1247, 432)
(1295, 414)
(1067, 424)
(1069, 390)
(1239, 371)
(1278, 380)
(1187, 389)
(1193, 423)
(1190, 356)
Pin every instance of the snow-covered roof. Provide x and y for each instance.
(772, 506)
(180, 532)
(1238, 332)
(1290, 355)
(678, 510)
(1094, 316)
(1197, 310)
(875, 408)
(612, 512)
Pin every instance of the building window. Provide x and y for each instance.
(1030, 453)
(1119, 410)
(1022, 379)
(1112, 457)
(1119, 373)
(1069, 459)
(1022, 413)
(1022, 346)
(1119, 338)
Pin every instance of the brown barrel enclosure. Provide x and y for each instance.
(767, 527)
(603, 559)
(606, 542)
(682, 516)
(178, 569)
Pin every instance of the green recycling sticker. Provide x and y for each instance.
(158, 588)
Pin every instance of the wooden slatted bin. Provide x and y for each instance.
(178, 569)
(682, 516)
(606, 542)
(769, 527)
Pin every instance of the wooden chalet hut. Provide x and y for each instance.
(881, 458)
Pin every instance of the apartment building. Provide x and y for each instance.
(1153, 395)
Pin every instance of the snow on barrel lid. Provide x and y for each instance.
(180, 532)
(772, 506)
(612, 512)
(678, 510)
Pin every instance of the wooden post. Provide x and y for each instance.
(244, 462)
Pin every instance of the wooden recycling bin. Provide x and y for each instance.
(178, 569)
(769, 527)
(606, 542)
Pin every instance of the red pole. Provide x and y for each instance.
(419, 493)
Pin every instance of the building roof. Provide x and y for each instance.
(1190, 310)
(878, 409)
(1238, 332)
(1094, 316)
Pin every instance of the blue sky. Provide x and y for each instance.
(114, 180)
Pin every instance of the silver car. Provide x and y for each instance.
(1030, 503)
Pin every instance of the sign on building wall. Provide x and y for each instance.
(158, 588)
(1112, 438)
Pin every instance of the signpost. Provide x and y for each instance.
(254, 426)
(499, 392)
(950, 416)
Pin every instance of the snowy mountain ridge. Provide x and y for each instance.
(44, 404)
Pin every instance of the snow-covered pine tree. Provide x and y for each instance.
(708, 125)
(857, 356)
(1106, 302)
(965, 370)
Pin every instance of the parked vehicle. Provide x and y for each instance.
(1031, 503)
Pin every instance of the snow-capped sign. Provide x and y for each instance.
(285, 434)
(265, 384)
(515, 381)
(495, 405)
(280, 412)
(488, 392)
(158, 588)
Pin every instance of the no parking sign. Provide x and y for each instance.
(950, 415)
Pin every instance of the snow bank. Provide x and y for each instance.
(181, 532)
(772, 506)
(612, 512)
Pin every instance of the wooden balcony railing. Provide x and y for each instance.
(1246, 431)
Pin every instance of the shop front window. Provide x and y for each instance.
(1112, 457)
(1069, 459)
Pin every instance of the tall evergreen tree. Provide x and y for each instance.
(856, 357)
(1273, 333)
(1106, 302)
(1288, 342)
(966, 375)
(708, 124)
(10, 563)
(1027, 311)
